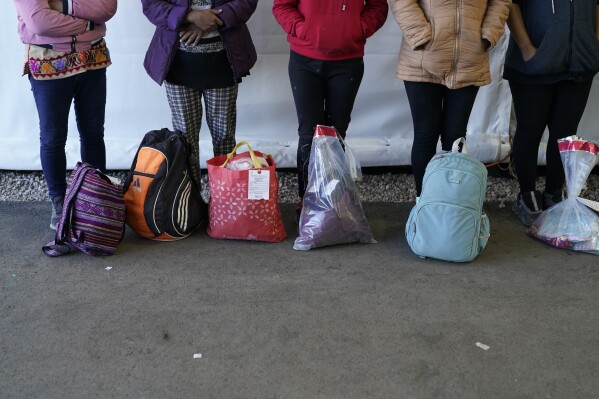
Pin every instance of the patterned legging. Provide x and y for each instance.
(221, 117)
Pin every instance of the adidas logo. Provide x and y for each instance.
(137, 185)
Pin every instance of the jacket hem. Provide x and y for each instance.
(457, 85)
(516, 76)
(323, 57)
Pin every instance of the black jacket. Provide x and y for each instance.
(563, 31)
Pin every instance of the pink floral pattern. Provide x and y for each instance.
(234, 216)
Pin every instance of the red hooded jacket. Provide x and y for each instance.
(330, 29)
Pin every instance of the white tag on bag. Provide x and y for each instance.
(259, 185)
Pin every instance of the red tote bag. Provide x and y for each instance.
(233, 215)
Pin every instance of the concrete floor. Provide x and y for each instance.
(353, 321)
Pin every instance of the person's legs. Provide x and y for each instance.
(343, 80)
(426, 105)
(221, 117)
(568, 107)
(457, 107)
(308, 86)
(186, 112)
(90, 111)
(53, 100)
(532, 105)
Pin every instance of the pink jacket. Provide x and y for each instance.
(82, 23)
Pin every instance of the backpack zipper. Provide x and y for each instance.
(143, 174)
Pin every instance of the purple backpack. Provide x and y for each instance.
(93, 215)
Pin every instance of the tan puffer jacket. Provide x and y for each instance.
(443, 39)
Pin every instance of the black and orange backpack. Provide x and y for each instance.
(162, 200)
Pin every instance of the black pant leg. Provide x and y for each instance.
(343, 79)
(309, 91)
(457, 107)
(426, 106)
(532, 105)
(567, 109)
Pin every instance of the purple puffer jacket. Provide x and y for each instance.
(169, 16)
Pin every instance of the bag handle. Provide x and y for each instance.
(594, 205)
(230, 155)
(459, 145)
(355, 169)
(61, 246)
(82, 170)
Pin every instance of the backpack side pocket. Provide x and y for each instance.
(485, 232)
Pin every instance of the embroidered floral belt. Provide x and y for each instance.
(43, 63)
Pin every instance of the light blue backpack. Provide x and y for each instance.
(448, 221)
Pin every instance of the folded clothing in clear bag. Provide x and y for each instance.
(570, 224)
(331, 211)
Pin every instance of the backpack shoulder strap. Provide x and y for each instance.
(60, 245)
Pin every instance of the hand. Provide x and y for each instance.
(206, 20)
(423, 46)
(190, 35)
(56, 5)
(486, 44)
(528, 53)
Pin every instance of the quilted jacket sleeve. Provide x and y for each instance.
(374, 16)
(99, 11)
(236, 12)
(416, 28)
(494, 23)
(42, 21)
(164, 14)
(288, 16)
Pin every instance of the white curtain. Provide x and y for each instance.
(380, 131)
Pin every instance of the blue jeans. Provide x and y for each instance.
(324, 93)
(53, 100)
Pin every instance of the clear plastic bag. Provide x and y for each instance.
(570, 224)
(332, 212)
(246, 163)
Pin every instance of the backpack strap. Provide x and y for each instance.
(191, 159)
(129, 176)
(60, 245)
(55, 248)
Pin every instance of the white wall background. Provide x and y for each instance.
(380, 132)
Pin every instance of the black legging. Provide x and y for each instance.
(559, 107)
(436, 111)
(324, 93)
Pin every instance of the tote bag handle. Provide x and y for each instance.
(230, 155)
